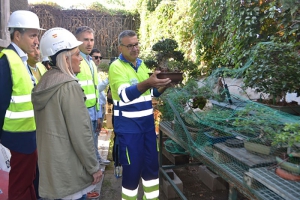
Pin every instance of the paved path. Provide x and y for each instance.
(103, 147)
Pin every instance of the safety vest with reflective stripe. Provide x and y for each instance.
(41, 68)
(89, 84)
(19, 115)
(133, 76)
(130, 115)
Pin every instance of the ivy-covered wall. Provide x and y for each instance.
(226, 30)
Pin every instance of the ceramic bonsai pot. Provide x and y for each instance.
(176, 77)
(258, 148)
(286, 175)
(291, 167)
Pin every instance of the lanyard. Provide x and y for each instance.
(31, 76)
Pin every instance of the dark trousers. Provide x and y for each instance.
(21, 176)
(36, 182)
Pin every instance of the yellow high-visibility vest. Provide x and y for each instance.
(19, 115)
(41, 68)
(89, 84)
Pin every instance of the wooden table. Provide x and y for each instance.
(236, 182)
(242, 156)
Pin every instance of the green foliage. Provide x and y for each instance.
(165, 50)
(225, 31)
(104, 67)
(180, 96)
(152, 4)
(49, 3)
(170, 19)
(199, 102)
(274, 69)
(165, 45)
(291, 9)
(101, 8)
(258, 122)
(290, 135)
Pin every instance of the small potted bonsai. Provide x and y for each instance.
(258, 125)
(273, 70)
(169, 61)
(289, 167)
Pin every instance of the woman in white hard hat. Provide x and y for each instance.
(67, 161)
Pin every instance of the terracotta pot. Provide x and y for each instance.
(294, 168)
(176, 77)
(286, 175)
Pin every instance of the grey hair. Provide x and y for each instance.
(83, 29)
(126, 33)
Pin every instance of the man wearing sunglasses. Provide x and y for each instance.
(102, 81)
(96, 56)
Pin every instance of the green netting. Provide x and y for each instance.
(173, 147)
(234, 135)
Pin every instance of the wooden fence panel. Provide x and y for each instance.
(107, 27)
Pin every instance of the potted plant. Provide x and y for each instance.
(289, 162)
(258, 125)
(273, 69)
(170, 61)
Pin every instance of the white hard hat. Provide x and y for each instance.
(45, 58)
(24, 19)
(57, 39)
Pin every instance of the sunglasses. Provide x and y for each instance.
(97, 57)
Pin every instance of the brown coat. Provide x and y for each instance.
(66, 154)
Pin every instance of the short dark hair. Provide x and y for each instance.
(94, 51)
(13, 30)
(125, 33)
(82, 29)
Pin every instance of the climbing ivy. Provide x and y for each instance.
(172, 20)
(225, 30)
(169, 19)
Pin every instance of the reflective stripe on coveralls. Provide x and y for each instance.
(151, 188)
(129, 194)
(134, 114)
(151, 191)
(19, 116)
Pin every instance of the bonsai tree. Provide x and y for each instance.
(256, 122)
(290, 137)
(274, 69)
(289, 162)
(168, 59)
